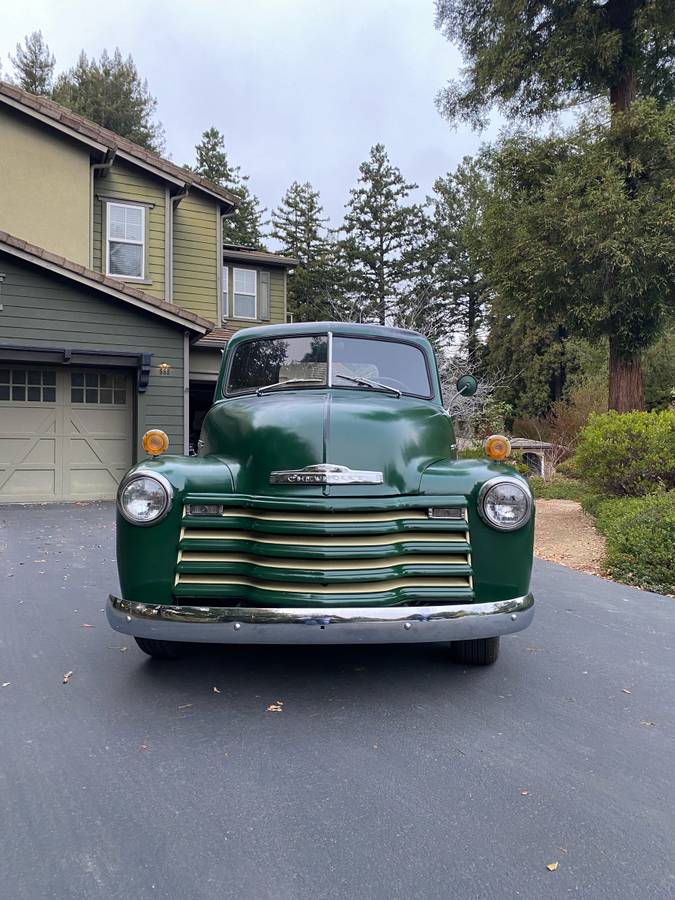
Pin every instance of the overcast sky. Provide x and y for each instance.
(301, 89)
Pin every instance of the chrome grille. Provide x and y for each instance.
(350, 557)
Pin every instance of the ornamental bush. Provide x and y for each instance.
(628, 454)
(640, 533)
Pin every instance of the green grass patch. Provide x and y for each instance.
(559, 488)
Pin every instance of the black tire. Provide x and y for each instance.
(160, 649)
(483, 652)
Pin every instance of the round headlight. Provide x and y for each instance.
(145, 499)
(505, 503)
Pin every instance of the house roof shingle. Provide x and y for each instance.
(126, 292)
(59, 116)
(249, 254)
(217, 337)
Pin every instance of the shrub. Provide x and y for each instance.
(568, 468)
(640, 533)
(628, 453)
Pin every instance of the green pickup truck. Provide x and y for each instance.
(326, 505)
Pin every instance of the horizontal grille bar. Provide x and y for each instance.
(287, 587)
(189, 556)
(199, 534)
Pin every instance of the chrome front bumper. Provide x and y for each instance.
(364, 625)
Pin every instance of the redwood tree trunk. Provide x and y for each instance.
(626, 391)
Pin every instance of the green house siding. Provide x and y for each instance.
(277, 297)
(42, 310)
(45, 187)
(129, 184)
(196, 222)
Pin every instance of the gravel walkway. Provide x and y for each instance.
(565, 534)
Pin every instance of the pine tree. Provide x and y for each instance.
(298, 224)
(34, 64)
(245, 227)
(111, 92)
(454, 252)
(380, 229)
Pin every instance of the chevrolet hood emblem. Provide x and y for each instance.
(325, 473)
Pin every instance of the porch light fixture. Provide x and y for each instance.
(164, 369)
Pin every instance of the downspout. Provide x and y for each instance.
(186, 393)
(168, 275)
(221, 286)
(97, 170)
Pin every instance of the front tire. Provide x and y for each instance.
(483, 652)
(160, 649)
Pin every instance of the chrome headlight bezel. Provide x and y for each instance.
(163, 482)
(487, 487)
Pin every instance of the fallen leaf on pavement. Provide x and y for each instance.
(562, 849)
(186, 706)
(524, 793)
(552, 866)
(216, 691)
(144, 747)
(276, 707)
(66, 677)
(626, 691)
(648, 723)
(6, 683)
(85, 625)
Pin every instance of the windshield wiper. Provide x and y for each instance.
(269, 387)
(366, 382)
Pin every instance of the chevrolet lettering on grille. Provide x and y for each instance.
(325, 473)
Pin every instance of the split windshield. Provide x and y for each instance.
(367, 364)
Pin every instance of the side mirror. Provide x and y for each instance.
(466, 385)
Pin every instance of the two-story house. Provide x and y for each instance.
(116, 299)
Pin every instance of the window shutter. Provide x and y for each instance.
(226, 293)
(265, 312)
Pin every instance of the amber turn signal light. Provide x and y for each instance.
(155, 442)
(497, 447)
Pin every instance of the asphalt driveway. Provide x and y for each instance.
(389, 772)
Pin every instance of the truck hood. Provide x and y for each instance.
(257, 435)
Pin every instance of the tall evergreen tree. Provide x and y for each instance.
(298, 224)
(533, 59)
(111, 92)
(454, 251)
(380, 227)
(571, 238)
(245, 226)
(34, 64)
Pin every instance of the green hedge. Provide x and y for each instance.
(640, 533)
(628, 454)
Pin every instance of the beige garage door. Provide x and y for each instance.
(65, 433)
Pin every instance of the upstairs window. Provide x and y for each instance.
(245, 295)
(125, 241)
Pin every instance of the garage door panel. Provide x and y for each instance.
(75, 444)
(24, 485)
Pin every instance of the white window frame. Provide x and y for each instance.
(253, 318)
(108, 239)
(225, 311)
